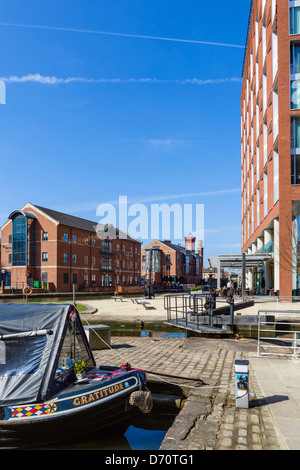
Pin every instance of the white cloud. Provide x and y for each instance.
(52, 80)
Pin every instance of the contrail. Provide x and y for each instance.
(90, 31)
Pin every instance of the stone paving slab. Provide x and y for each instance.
(204, 368)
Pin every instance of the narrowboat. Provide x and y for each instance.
(42, 402)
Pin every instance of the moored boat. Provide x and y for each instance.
(41, 400)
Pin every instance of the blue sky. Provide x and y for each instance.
(91, 116)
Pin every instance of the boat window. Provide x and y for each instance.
(73, 348)
(21, 356)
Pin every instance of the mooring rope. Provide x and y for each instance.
(152, 373)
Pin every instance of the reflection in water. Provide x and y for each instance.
(145, 433)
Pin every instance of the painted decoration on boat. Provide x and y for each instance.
(75, 401)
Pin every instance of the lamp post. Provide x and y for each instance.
(149, 268)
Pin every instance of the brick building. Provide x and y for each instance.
(270, 144)
(42, 247)
(172, 264)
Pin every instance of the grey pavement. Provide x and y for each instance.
(278, 386)
(204, 367)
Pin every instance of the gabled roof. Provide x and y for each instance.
(79, 223)
(174, 247)
(69, 220)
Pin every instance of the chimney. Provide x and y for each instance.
(190, 243)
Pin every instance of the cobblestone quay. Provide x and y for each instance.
(204, 370)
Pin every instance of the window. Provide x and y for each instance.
(264, 43)
(295, 58)
(275, 54)
(265, 194)
(105, 246)
(295, 133)
(66, 257)
(19, 241)
(74, 278)
(265, 137)
(295, 169)
(45, 236)
(74, 258)
(73, 348)
(86, 260)
(44, 256)
(93, 260)
(66, 237)
(276, 176)
(295, 18)
(66, 278)
(93, 241)
(22, 355)
(264, 93)
(257, 164)
(257, 208)
(106, 263)
(10, 239)
(295, 150)
(74, 238)
(9, 258)
(168, 257)
(295, 94)
(275, 116)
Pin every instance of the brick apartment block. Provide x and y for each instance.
(41, 246)
(165, 263)
(270, 145)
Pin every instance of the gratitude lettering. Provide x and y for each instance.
(89, 398)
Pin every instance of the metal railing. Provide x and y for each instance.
(183, 308)
(283, 333)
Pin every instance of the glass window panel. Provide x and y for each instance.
(22, 355)
(295, 94)
(19, 241)
(295, 20)
(296, 68)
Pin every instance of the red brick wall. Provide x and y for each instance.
(88, 249)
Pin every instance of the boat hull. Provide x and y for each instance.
(87, 411)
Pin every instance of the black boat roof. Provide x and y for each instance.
(31, 338)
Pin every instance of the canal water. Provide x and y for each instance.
(145, 433)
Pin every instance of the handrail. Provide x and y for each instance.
(292, 349)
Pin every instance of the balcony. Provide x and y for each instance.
(107, 268)
(268, 248)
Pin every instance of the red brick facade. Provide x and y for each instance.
(172, 264)
(270, 190)
(67, 250)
